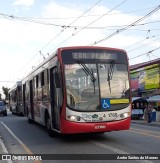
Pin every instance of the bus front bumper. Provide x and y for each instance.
(68, 127)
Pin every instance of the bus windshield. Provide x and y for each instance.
(97, 86)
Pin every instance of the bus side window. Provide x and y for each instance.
(36, 82)
(39, 87)
(39, 80)
(42, 78)
(46, 77)
(34, 88)
(44, 83)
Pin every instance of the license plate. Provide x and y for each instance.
(97, 127)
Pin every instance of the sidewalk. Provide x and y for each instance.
(3, 150)
(142, 122)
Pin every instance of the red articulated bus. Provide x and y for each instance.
(81, 89)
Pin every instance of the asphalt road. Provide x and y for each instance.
(20, 137)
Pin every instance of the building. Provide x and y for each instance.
(145, 79)
(145, 83)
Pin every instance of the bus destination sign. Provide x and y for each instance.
(94, 55)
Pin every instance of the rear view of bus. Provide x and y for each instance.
(96, 90)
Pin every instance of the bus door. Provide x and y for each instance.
(31, 99)
(55, 108)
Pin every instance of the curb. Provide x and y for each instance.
(147, 124)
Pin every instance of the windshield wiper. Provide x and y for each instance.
(88, 72)
(110, 73)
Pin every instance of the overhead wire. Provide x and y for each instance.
(61, 32)
(46, 23)
(103, 27)
(149, 52)
(59, 18)
(129, 26)
(101, 16)
(12, 17)
(68, 26)
(147, 38)
(144, 45)
(63, 27)
(88, 25)
(155, 56)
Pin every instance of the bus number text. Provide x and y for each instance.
(112, 114)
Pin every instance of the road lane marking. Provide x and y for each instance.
(21, 143)
(117, 151)
(144, 133)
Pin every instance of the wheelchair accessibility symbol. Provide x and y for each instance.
(105, 103)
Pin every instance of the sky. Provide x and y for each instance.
(33, 29)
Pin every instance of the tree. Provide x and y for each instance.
(0, 96)
(5, 92)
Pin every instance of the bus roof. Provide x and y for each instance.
(70, 48)
(18, 83)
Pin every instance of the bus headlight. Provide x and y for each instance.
(74, 118)
(123, 115)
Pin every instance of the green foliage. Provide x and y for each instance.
(5, 92)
